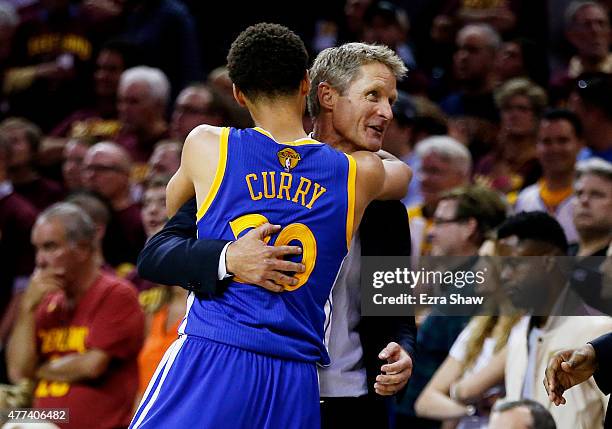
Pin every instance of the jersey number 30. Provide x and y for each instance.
(294, 231)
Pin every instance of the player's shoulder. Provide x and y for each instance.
(202, 143)
(204, 133)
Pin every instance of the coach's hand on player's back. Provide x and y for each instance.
(252, 261)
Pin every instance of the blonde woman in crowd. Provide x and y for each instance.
(482, 338)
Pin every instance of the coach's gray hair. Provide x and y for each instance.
(78, 225)
(156, 80)
(8, 15)
(575, 6)
(340, 66)
(595, 167)
(448, 148)
(494, 40)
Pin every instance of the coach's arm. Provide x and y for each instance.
(174, 256)
(385, 231)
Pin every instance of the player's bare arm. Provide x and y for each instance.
(198, 167)
(397, 177)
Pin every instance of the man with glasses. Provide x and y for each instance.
(462, 220)
(195, 105)
(106, 171)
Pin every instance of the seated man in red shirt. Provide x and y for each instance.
(79, 331)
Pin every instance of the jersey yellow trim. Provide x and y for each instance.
(300, 142)
(221, 164)
(350, 212)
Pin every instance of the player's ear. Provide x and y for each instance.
(305, 84)
(238, 95)
(327, 96)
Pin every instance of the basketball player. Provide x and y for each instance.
(247, 358)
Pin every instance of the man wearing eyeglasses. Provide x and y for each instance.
(461, 222)
(106, 171)
(462, 219)
(195, 105)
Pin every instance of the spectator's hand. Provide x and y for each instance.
(251, 260)
(397, 371)
(42, 282)
(568, 368)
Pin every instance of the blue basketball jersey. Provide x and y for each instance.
(306, 187)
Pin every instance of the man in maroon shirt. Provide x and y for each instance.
(79, 330)
(106, 171)
(142, 99)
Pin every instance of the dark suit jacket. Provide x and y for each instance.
(603, 375)
(384, 231)
(173, 256)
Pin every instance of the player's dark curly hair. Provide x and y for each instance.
(267, 60)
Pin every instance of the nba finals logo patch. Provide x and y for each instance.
(288, 158)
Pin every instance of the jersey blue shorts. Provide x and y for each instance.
(204, 384)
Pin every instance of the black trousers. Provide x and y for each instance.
(361, 412)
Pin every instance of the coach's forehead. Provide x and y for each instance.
(374, 73)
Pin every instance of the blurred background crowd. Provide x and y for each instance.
(506, 109)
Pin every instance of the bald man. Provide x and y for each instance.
(106, 171)
(195, 105)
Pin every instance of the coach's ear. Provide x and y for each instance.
(327, 96)
(238, 95)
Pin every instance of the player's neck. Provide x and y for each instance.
(282, 119)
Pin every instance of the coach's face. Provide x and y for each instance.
(361, 115)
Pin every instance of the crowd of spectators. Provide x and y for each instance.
(506, 109)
